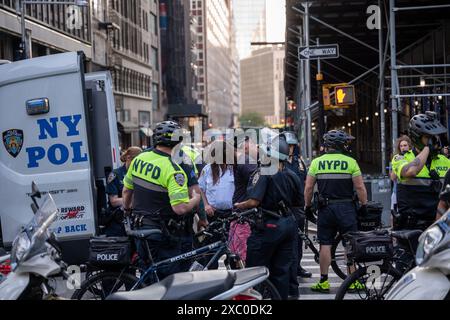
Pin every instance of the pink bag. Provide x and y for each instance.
(238, 236)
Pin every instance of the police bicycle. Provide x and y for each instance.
(338, 258)
(99, 285)
(339, 261)
(381, 257)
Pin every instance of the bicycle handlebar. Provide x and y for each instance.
(219, 222)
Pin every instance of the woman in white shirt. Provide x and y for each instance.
(217, 180)
(217, 188)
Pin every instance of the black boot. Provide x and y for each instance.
(303, 272)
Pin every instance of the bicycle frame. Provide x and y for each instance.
(219, 247)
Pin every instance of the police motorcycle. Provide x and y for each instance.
(35, 256)
(430, 279)
(221, 284)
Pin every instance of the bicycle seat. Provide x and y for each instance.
(142, 234)
(407, 234)
(199, 285)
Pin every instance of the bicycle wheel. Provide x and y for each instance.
(101, 285)
(339, 260)
(375, 281)
(268, 290)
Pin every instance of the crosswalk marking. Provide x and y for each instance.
(308, 262)
(308, 285)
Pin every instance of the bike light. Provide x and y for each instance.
(5, 268)
(243, 297)
(250, 294)
(427, 242)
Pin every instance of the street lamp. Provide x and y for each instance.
(422, 82)
(24, 46)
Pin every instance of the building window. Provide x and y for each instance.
(155, 61)
(153, 24)
(123, 115)
(144, 119)
(155, 96)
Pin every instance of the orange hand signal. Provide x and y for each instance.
(340, 95)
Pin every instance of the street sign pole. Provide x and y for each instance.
(319, 78)
(307, 75)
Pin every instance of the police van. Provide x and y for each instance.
(59, 129)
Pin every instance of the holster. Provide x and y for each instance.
(436, 184)
(322, 201)
(259, 220)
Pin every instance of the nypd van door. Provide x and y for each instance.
(44, 139)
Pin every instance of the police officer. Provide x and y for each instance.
(337, 175)
(420, 173)
(192, 158)
(275, 189)
(114, 186)
(158, 189)
(189, 160)
(195, 158)
(297, 165)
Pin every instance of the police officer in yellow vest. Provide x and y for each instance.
(420, 173)
(337, 175)
(195, 157)
(157, 188)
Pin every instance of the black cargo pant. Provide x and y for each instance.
(272, 247)
(297, 252)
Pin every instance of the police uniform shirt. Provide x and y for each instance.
(242, 173)
(158, 183)
(415, 195)
(187, 166)
(334, 173)
(114, 184)
(284, 186)
(194, 157)
(298, 167)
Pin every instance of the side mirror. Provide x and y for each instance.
(35, 193)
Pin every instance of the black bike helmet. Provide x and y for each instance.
(336, 139)
(424, 124)
(163, 134)
(277, 148)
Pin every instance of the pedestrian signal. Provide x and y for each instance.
(344, 95)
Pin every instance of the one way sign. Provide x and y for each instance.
(326, 51)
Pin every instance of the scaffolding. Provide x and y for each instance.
(396, 87)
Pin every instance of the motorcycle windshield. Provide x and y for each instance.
(44, 214)
(38, 226)
(31, 240)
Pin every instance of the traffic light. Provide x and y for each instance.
(292, 105)
(344, 95)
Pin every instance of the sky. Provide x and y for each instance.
(248, 13)
(276, 20)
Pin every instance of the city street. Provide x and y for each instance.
(174, 149)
